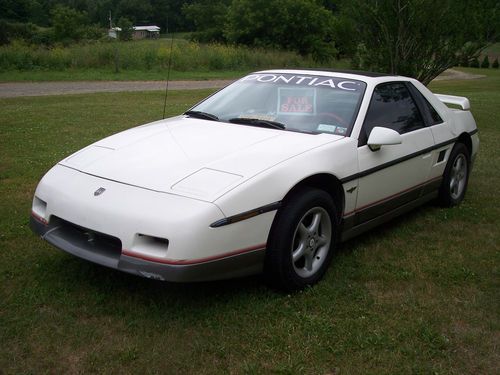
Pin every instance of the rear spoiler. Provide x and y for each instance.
(457, 100)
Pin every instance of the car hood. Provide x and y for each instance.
(191, 157)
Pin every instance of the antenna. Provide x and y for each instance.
(168, 74)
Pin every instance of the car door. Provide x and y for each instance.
(394, 174)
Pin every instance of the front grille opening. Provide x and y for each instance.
(87, 239)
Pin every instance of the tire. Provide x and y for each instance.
(455, 177)
(301, 242)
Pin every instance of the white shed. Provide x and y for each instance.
(141, 32)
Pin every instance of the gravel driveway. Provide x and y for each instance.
(16, 89)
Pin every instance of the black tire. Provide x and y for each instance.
(455, 177)
(293, 233)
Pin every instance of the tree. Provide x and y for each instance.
(126, 25)
(208, 17)
(170, 16)
(495, 64)
(486, 62)
(138, 11)
(403, 37)
(304, 26)
(68, 23)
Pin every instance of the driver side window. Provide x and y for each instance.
(391, 106)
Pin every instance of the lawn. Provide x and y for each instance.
(419, 295)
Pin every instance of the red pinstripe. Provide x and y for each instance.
(193, 261)
(391, 196)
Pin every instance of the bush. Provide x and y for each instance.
(126, 25)
(486, 62)
(463, 61)
(69, 24)
(495, 64)
(474, 63)
(44, 36)
(10, 31)
(147, 55)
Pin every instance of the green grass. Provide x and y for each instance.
(418, 295)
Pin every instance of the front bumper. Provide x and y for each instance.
(106, 250)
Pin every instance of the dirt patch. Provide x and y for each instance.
(452, 74)
(17, 89)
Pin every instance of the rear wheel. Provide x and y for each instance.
(456, 177)
(301, 242)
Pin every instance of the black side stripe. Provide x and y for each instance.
(399, 160)
(246, 215)
(276, 205)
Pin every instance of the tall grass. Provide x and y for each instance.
(146, 55)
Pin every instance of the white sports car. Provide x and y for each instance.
(266, 175)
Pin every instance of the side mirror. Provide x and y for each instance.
(380, 136)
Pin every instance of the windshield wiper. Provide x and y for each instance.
(202, 115)
(258, 122)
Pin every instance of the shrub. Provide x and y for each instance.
(463, 61)
(44, 36)
(486, 62)
(147, 55)
(15, 30)
(126, 25)
(495, 64)
(474, 63)
(69, 24)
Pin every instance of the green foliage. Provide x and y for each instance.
(474, 63)
(15, 30)
(495, 64)
(343, 30)
(208, 18)
(146, 55)
(24, 11)
(404, 38)
(300, 25)
(136, 11)
(486, 62)
(126, 29)
(164, 13)
(69, 24)
(463, 61)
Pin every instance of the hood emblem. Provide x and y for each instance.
(99, 191)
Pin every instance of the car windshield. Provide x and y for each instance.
(296, 102)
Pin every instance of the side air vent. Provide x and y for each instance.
(441, 156)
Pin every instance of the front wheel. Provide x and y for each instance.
(456, 177)
(301, 242)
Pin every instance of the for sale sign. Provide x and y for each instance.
(296, 101)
